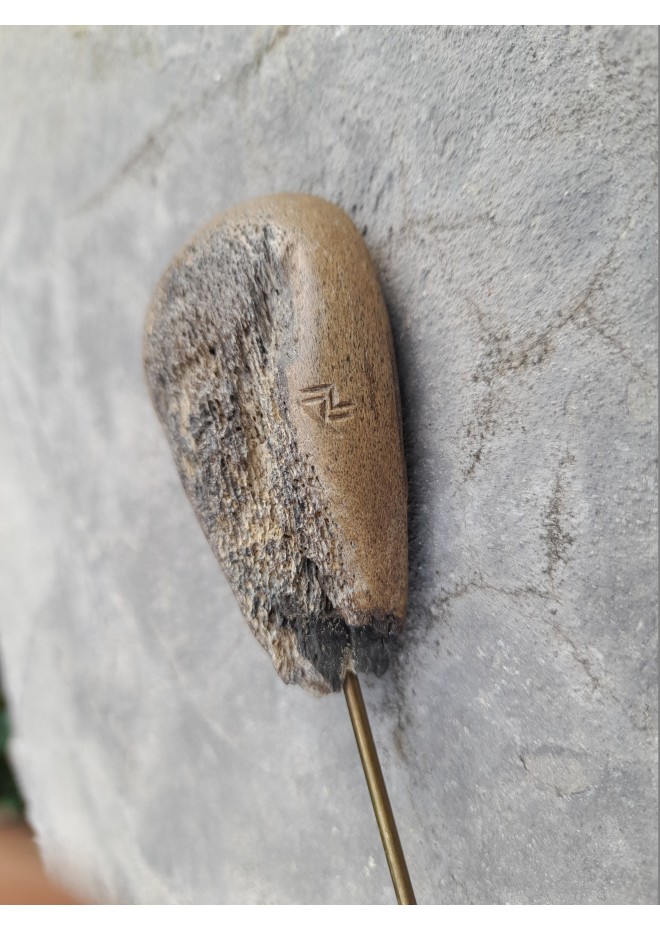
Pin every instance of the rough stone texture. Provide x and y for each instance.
(505, 181)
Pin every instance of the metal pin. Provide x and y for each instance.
(379, 798)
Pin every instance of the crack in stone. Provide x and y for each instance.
(477, 584)
(499, 359)
(557, 539)
(596, 680)
(154, 143)
(581, 659)
(280, 33)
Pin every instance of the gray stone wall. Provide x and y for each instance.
(505, 182)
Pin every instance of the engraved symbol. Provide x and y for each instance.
(325, 397)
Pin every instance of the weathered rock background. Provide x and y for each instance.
(505, 181)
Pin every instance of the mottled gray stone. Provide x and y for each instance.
(505, 181)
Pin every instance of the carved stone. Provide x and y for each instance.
(269, 360)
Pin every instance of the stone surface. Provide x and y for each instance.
(505, 182)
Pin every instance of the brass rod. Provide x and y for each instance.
(376, 784)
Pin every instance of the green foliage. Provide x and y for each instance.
(10, 796)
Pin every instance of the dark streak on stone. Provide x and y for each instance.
(557, 539)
